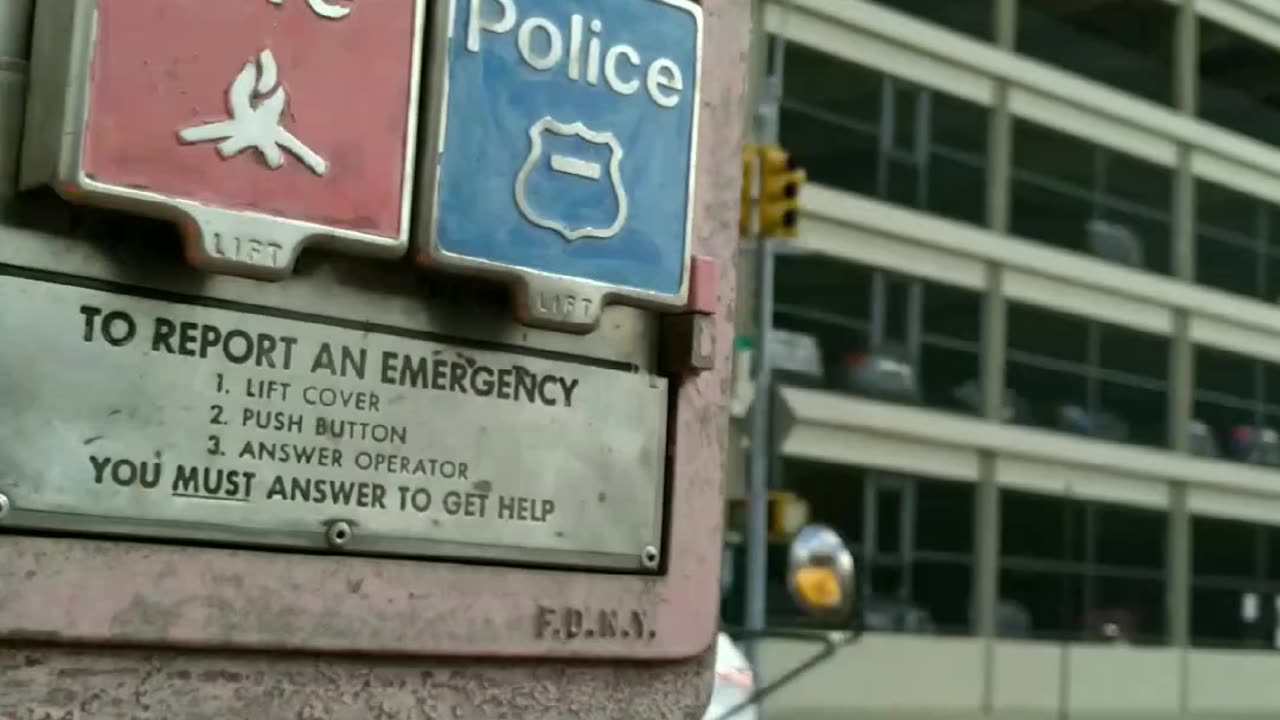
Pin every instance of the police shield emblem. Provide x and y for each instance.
(572, 181)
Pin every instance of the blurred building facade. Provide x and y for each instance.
(1028, 345)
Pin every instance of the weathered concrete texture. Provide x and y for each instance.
(45, 683)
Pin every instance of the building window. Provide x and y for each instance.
(950, 353)
(972, 17)
(1073, 569)
(1086, 377)
(858, 329)
(1237, 243)
(1081, 197)
(860, 130)
(913, 538)
(1127, 44)
(821, 315)
(1237, 407)
(1238, 89)
(1235, 589)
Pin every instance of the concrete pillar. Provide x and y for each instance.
(1178, 549)
(995, 340)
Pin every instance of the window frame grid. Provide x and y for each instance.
(1181, 384)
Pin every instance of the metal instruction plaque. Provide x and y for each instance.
(124, 414)
(260, 126)
(561, 151)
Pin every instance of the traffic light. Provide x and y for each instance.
(750, 164)
(788, 513)
(780, 182)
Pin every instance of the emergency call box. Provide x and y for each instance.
(438, 324)
(569, 164)
(258, 127)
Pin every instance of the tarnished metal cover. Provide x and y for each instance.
(125, 414)
(259, 125)
(561, 151)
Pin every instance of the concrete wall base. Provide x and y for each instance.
(53, 683)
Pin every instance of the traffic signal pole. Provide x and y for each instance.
(766, 134)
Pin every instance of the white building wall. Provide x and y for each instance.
(903, 677)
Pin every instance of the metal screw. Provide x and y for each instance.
(4, 505)
(649, 556)
(339, 533)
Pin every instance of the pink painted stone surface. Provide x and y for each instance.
(164, 65)
(47, 683)
(364, 638)
(704, 281)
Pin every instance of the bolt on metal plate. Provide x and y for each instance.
(338, 534)
(649, 556)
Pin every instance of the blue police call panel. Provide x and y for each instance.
(569, 139)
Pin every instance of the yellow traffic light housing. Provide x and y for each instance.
(788, 513)
(780, 182)
(750, 164)
(775, 202)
